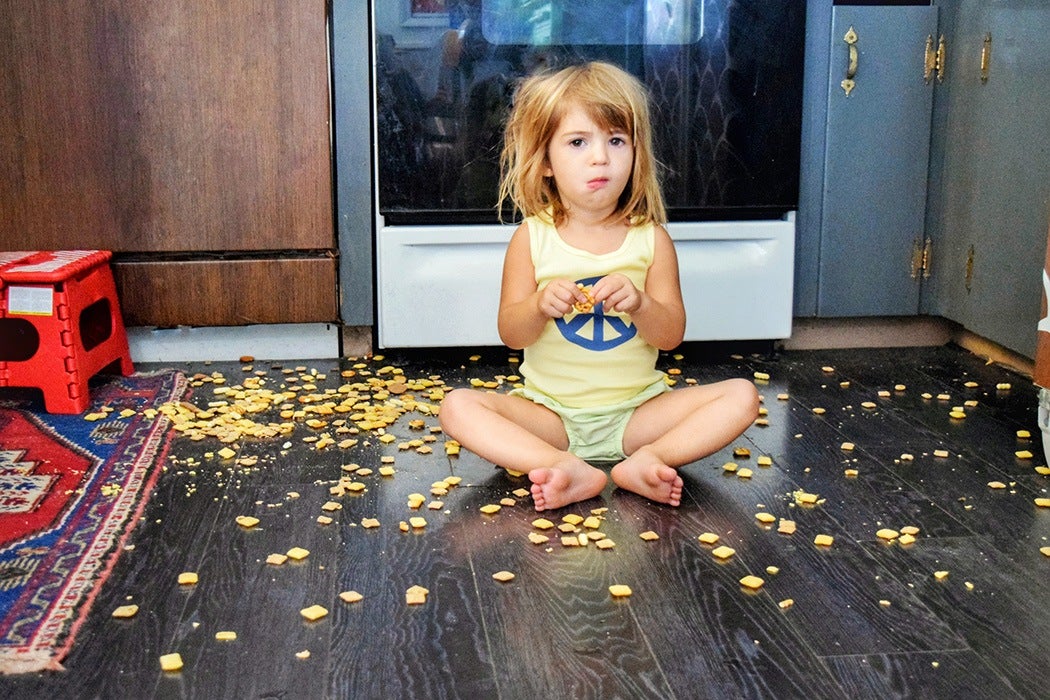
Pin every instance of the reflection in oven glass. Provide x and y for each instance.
(725, 78)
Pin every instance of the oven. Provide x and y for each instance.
(725, 77)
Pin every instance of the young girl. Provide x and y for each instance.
(591, 292)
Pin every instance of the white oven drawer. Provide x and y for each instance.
(438, 286)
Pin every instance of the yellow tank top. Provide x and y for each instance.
(595, 358)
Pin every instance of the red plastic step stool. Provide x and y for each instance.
(60, 324)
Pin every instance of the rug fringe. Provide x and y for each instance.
(12, 662)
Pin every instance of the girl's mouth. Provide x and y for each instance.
(597, 183)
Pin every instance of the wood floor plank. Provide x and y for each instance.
(1001, 616)
(941, 674)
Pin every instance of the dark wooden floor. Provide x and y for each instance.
(869, 619)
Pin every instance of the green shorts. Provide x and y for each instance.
(596, 433)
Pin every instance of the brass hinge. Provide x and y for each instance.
(921, 258)
(969, 269)
(935, 60)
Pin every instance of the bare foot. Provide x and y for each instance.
(567, 482)
(643, 473)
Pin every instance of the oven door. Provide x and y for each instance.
(725, 77)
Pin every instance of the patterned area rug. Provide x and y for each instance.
(71, 489)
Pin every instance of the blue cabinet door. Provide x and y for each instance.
(990, 190)
(876, 161)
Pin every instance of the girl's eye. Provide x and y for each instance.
(576, 143)
(618, 141)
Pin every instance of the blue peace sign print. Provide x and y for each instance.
(595, 331)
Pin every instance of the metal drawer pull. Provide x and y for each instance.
(851, 70)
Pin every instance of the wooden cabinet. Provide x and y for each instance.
(190, 137)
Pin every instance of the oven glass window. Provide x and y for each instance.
(725, 78)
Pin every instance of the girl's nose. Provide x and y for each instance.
(599, 152)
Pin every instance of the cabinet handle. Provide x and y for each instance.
(851, 68)
(986, 57)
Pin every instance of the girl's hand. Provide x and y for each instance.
(617, 293)
(558, 297)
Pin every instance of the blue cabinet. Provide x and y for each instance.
(876, 157)
(927, 193)
(989, 199)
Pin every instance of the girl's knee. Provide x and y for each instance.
(455, 404)
(744, 394)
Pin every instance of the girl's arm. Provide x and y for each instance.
(523, 309)
(658, 311)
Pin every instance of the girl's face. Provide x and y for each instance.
(590, 165)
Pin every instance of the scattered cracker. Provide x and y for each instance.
(298, 553)
(416, 595)
(369, 523)
(542, 524)
(786, 603)
(537, 538)
(277, 559)
(314, 612)
(171, 662)
(620, 590)
(490, 508)
(247, 521)
(226, 636)
(125, 611)
(823, 540)
(351, 597)
(765, 518)
(708, 538)
(752, 582)
(723, 552)
(940, 575)
(649, 536)
(503, 576)
(786, 527)
(187, 578)
(887, 534)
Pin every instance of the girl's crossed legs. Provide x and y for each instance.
(668, 431)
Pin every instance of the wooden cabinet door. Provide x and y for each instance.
(876, 162)
(182, 135)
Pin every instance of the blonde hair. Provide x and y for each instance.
(614, 99)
